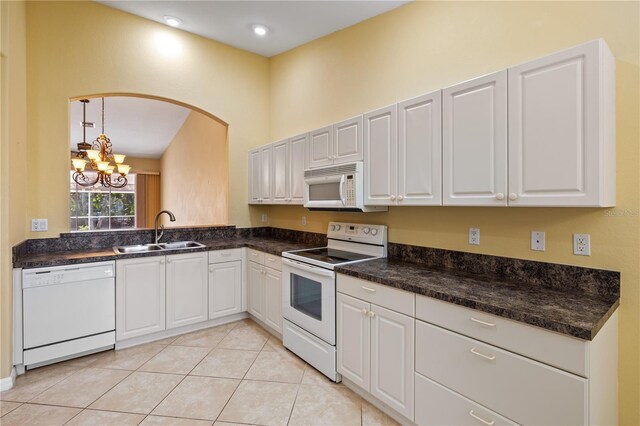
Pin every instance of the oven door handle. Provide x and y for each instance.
(341, 188)
(308, 268)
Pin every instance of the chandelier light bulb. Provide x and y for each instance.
(92, 154)
(118, 158)
(79, 164)
(123, 169)
(103, 166)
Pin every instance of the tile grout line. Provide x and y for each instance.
(243, 376)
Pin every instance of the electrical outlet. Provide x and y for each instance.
(39, 225)
(537, 240)
(582, 244)
(304, 221)
(264, 218)
(474, 236)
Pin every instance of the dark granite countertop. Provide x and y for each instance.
(268, 245)
(568, 312)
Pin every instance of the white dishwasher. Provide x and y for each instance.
(67, 310)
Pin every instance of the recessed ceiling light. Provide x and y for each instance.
(260, 30)
(172, 21)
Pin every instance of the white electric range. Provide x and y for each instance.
(309, 290)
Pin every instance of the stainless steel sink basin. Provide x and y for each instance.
(181, 245)
(145, 248)
(140, 248)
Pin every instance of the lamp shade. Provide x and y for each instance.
(123, 169)
(93, 154)
(118, 158)
(79, 164)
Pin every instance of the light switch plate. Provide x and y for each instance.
(39, 225)
(474, 236)
(537, 240)
(582, 244)
(265, 218)
(304, 220)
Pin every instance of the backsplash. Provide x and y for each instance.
(561, 277)
(551, 275)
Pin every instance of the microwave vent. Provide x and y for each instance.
(331, 171)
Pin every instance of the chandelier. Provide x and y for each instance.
(100, 155)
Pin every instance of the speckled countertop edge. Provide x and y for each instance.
(575, 314)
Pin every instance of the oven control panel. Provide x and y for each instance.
(358, 232)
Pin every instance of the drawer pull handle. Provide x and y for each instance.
(490, 358)
(488, 324)
(271, 259)
(372, 290)
(472, 414)
(225, 254)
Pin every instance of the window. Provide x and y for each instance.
(99, 208)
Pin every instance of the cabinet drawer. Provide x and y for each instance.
(439, 406)
(551, 348)
(255, 256)
(272, 261)
(523, 390)
(387, 297)
(218, 256)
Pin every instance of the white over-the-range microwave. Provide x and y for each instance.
(338, 187)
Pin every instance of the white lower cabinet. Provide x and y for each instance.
(186, 289)
(439, 406)
(273, 299)
(255, 290)
(140, 296)
(524, 390)
(225, 289)
(264, 288)
(353, 339)
(375, 351)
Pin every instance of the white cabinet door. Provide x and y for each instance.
(347, 141)
(561, 129)
(321, 147)
(255, 290)
(381, 156)
(420, 151)
(140, 296)
(297, 164)
(273, 299)
(255, 176)
(280, 172)
(474, 142)
(392, 343)
(186, 289)
(225, 289)
(353, 339)
(266, 184)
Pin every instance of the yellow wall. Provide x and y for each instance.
(121, 53)
(425, 46)
(140, 164)
(13, 134)
(195, 178)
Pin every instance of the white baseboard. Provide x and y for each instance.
(8, 382)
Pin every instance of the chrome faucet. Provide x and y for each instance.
(172, 218)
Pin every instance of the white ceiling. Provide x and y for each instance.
(291, 23)
(137, 127)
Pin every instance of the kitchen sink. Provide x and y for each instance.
(181, 245)
(139, 248)
(145, 248)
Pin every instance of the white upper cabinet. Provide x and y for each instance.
(280, 171)
(266, 184)
(347, 141)
(380, 156)
(420, 151)
(321, 147)
(562, 129)
(254, 176)
(474, 142)
(298, 162)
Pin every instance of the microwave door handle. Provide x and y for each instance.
(344, 203)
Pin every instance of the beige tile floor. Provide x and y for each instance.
(228, 375)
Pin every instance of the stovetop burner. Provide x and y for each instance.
(332, 256)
